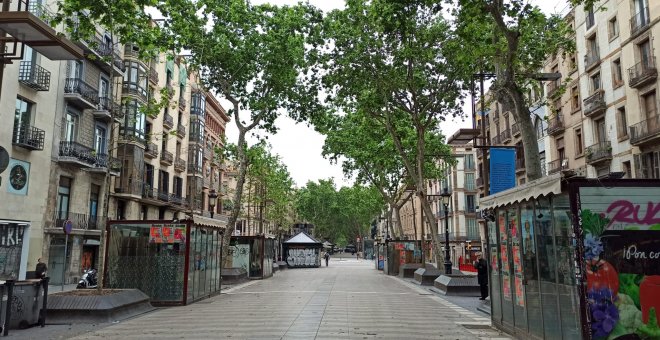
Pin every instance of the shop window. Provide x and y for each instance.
(530, 267)
(565, 254)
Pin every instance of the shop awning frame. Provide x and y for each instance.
(541, 187)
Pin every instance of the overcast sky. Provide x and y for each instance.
(299, 146)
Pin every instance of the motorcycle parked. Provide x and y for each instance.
(88, 280)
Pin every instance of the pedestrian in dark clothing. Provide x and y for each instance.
(482, 275)
(327, 258)
(40, 271)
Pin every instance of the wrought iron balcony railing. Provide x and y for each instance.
(28, 137)
(640, 21)
(179, 164)
(496, 140)
(555, 124)
(153, 75)
(166, 157)
(599, 152)
(109, 54)
(79, 87)
(480, 182)
(515, 129)
(34, 76)
(557, 165)
(642, 73)
(505, 136)
(182, 103)
(592, 58)
(78, 221)
(163, 195)
(151, 151)
(594, 104)
(646, 130)
(135, 89)
(75, 151)
(180, 130)
(552, 87)
(168, 121)
(520, 164)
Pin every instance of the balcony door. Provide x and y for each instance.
(22, 118)
(650, 105)
(601, 135)
(104, 86)
(70, 123)
(100, 139)
(75, 69)
(641, 7)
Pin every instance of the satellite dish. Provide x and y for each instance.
(4, 159)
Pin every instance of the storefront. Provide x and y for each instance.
(14, 246)
(173, 263)
(302, 251)
(400, 252)
(255, 254)
(554, 251)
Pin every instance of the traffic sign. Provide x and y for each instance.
(68, 225)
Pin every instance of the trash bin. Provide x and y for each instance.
(27, 301)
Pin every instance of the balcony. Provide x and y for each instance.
(180, 131)
(153, 75)
(168, 121)
(496, 140)
(208, 152)
(76, 154)
(515, 129)
(163, 196)
(28, 137)
(480, 182)
(78, 221)
(166, 158)
(639, 22)
(176, 199)
(591, 59)
(170, 89)
(105, 162)
(194, 169)
(642, 73)
(557, 165)
(34, 76)
(129, 186)
(108, 57)
(595, 104)
(599, 152)
(555, 125)
(81, 94)
(133, 89)
(505, 136)
(520, 165)
(106, 109)
(182, 104)
(151, 151)
(552, 87)
(149, 191)
(646, 131)
(179, 165)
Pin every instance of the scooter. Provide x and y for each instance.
(88, 280)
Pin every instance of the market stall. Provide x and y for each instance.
(302, 251)
(255, 254)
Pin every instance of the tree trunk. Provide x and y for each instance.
(399, 227)
(236, 209)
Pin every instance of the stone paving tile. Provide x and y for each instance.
(348, 300)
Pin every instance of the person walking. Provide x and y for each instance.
(482, 275)
(40, 270)
(327, 258)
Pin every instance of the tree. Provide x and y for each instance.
(257, 58)
(512, 39)
(388, 60)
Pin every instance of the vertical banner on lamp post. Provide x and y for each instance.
(502, 170)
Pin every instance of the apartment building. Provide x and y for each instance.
(215, 126)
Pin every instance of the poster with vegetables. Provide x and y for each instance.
(621, 228)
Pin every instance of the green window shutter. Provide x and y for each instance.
(170, 64)
(183, 76)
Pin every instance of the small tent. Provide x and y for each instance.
(302, 251)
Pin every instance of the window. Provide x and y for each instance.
(22, 119)
(469, 162)
(63, 195)
(178, 186)
(613, 28)
(149, 174)
(573, 62)
(590, 20)
(538, 126)
(70, 126)
(469, 204)
(75, 69)
(557, 106)
(472, 230)
(135, 120)
(469, 181)
(649, 105)
(645, 56)
(100, 139)
(579, 147)
(575, 98)
(617, 74)
(600, 132)
(621, 123)
(104, 87)
(592, 51)
(135, 78)
(594, 82)
(94, 202)
(627, 169)
(647, 165)
(163, 181)
(560, 148)
(164, 141)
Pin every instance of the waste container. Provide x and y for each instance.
(27, 302)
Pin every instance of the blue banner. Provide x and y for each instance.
(502, 170)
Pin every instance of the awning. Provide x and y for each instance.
(541, 187)
(209, 222)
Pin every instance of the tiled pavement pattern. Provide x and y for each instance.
(348, 300)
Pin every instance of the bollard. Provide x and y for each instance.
(44, 307)
(10, 295)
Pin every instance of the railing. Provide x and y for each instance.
(599, 152)
(639, 21)
(107, 52)
(78, 151)
(179, 164)
(135, 89)
(153, 75)
(642, 72)
(168, 121)
(194, 169)
(104, 161)
(495, 140)
(470, 210)
(645, 129)
(163, 196)
(151, 151)
(520, 164)
(182, 103)
(166, 157)
(176, 199)
(180, 130)
(196, 110)
(515, 129)
(505, 136)
(555, 124)
(591, 58)
(131, 186)
(28, 137)
(170, 89)
(34, 76)
(78, 221)
(208, 152)
(149, 191)
(594, 104)
(39, 11)
(77, 86)
(552, 87)
(557, 165)
(480, 182)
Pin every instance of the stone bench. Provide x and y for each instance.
(408, 270)
(233, 275)
(457, 284)
(88, 307)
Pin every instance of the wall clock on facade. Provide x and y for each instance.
(17, 177)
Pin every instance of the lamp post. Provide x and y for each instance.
(446, 197)
(213, 199)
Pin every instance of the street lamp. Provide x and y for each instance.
(446, 197)
(213, 199)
